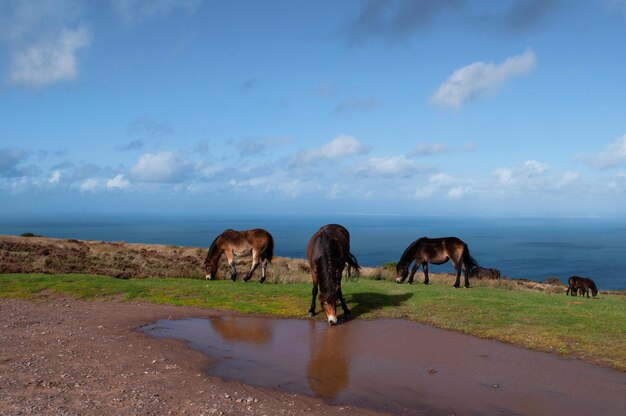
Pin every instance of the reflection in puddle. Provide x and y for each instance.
(328, 369)
(233, 329)
(397, 366)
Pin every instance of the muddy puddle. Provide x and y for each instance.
(398, 366)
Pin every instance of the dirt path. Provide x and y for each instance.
(68, 357)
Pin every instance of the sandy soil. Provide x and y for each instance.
(68, 357)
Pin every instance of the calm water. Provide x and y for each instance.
(533, 248)
(398, 366)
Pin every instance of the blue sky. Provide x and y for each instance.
(394, 107)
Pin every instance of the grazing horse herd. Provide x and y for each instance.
(328, 253)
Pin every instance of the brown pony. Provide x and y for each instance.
(581, 285)
(257, 242)
(328, 252)
(436, 251)
(485, 273)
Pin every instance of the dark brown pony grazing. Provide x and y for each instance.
(485, 273)
(257, 242)
(328, 252)
(436, 251)
(582, 285)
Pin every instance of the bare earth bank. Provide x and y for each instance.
(69, 357)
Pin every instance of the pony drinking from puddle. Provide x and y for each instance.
(257, 242)
(436, 251)
(328, 252)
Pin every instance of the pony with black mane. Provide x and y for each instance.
(257, 242)
(582, 285)
(436, 251)
(328, 252)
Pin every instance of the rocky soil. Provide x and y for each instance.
(69, 357)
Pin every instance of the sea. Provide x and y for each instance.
(533, 248)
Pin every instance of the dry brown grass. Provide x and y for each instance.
(126, 260)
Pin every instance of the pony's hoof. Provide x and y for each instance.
(261, 281)
(311, 314)
(456, 286)
(398, 281)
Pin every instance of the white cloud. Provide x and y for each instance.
(520, 174)
(49, 61)
(457, 192)
(388, 167)
(55, 177)
(277, 183)
(138, 11)
(340, 147)
(426, 149)
(533, 177)
(441, 184)
(480, 78)
(90, 185)
(568, 178)
(118, 182)
(614, 155)
(161, 167)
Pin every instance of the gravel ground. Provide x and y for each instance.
(69, 357)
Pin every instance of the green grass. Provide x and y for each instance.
(592, 329)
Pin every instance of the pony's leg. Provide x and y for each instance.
(263, 270)
(346, 311)
(233, 271)
(413, 270)
(314, 294)
(466, 282)
(457, 268)
(255, 263)
(425, 270)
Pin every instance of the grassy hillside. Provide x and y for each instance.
(591, 329)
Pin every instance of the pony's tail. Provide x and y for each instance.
(353, 264)
(470, 262)
(268, 250)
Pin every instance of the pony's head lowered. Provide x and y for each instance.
(594, 289)
(402, 271)
(402, 267)
(212, 259)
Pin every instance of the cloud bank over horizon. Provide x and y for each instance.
(379, 106)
